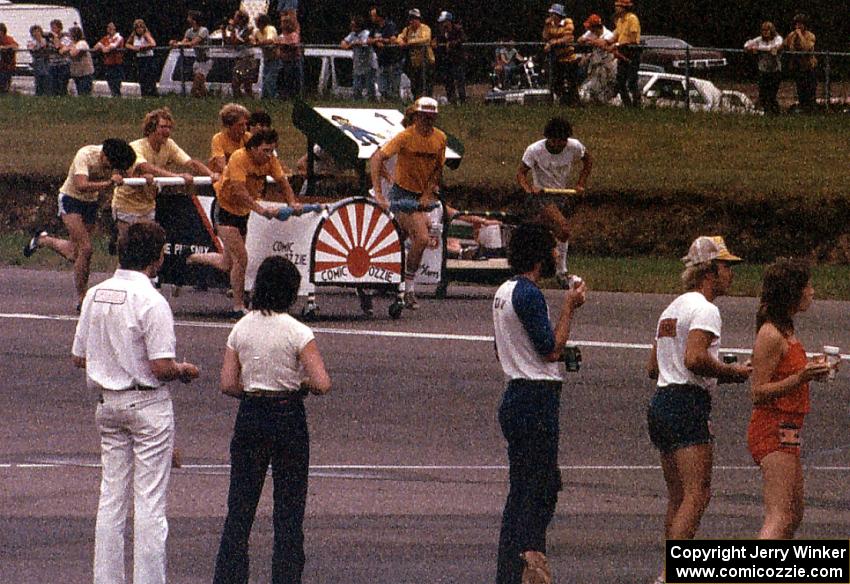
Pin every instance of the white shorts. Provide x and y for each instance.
(133, 217)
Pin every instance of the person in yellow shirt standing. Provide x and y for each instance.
(241, 187)
(802, 40)
(559, 37)
(156, 153)
(626, 44)
(416, 38)
(421, 150)
(233, 136)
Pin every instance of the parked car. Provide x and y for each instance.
(670, 90)
(673, 54)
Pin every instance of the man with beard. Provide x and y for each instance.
(528, 348)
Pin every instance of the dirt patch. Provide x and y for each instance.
(604, 223)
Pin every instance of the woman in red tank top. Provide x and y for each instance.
(780, 393)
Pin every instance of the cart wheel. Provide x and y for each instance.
(395, 309)
(440, 292)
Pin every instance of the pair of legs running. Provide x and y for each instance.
(233, 260)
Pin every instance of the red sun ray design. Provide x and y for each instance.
(373, 222)
(365, 242)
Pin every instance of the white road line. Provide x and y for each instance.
(416, 467)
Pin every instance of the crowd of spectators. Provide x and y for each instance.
(590, 66)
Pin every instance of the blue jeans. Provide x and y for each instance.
(271, 71)
(114, 75)
(267, 430)
(291, 76)
(84, 84)
(528, 417)
(389, 81)
(364, 81)
(59, 77)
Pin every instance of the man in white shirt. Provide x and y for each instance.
(529, 348)
(684, 360)
(125, 341)
(548, 163)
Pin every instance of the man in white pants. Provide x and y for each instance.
(125, 341)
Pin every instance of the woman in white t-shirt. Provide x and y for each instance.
(82, 67)
(271, 362)
(685, 361)
(141, 43)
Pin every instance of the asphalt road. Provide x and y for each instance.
(408, 473)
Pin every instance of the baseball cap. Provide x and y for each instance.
(593, 20)
(414, 13)
(426, 105)
(707, 248)
(444, 16)
(557, 9)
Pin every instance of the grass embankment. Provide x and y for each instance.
(661, 159)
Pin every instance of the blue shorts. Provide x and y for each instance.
(240, 222)
(68, 205)
(679, 416)
(400, 194)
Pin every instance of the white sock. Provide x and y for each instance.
(563, 246)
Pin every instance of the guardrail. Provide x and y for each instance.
(730, 69)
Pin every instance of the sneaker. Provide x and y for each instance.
(410, 301)
(32, 244)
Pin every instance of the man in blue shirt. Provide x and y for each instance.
(529, 349)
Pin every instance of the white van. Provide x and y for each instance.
(20, 17)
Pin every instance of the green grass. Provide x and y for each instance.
(637, 152)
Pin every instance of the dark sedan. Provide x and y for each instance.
(672, 54)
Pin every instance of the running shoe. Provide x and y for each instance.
(410, 301)
(32, 244)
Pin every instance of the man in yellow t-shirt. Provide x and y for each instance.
(156, 153)
(241, 186)
(234, 134)
(95, 168)
(416, 40)
(626, 43)
(421, 151)
(559, 37)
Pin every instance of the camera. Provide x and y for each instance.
(572, 358)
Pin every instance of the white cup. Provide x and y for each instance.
(833, 357)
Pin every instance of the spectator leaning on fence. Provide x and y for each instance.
(508, 61)
(451, 56)
(365, 60)
(58, 64)
(40, 51)
(415, 38)
(559, 36)
(600, 83)
(82, 66)
(237, 34)
(626, 45)
(383, 34)
(802, 40)
(141, 43)
(291, 64)
(265, 37)
(7, 58)
(111, 46)
(197, 37)
(768, 46)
